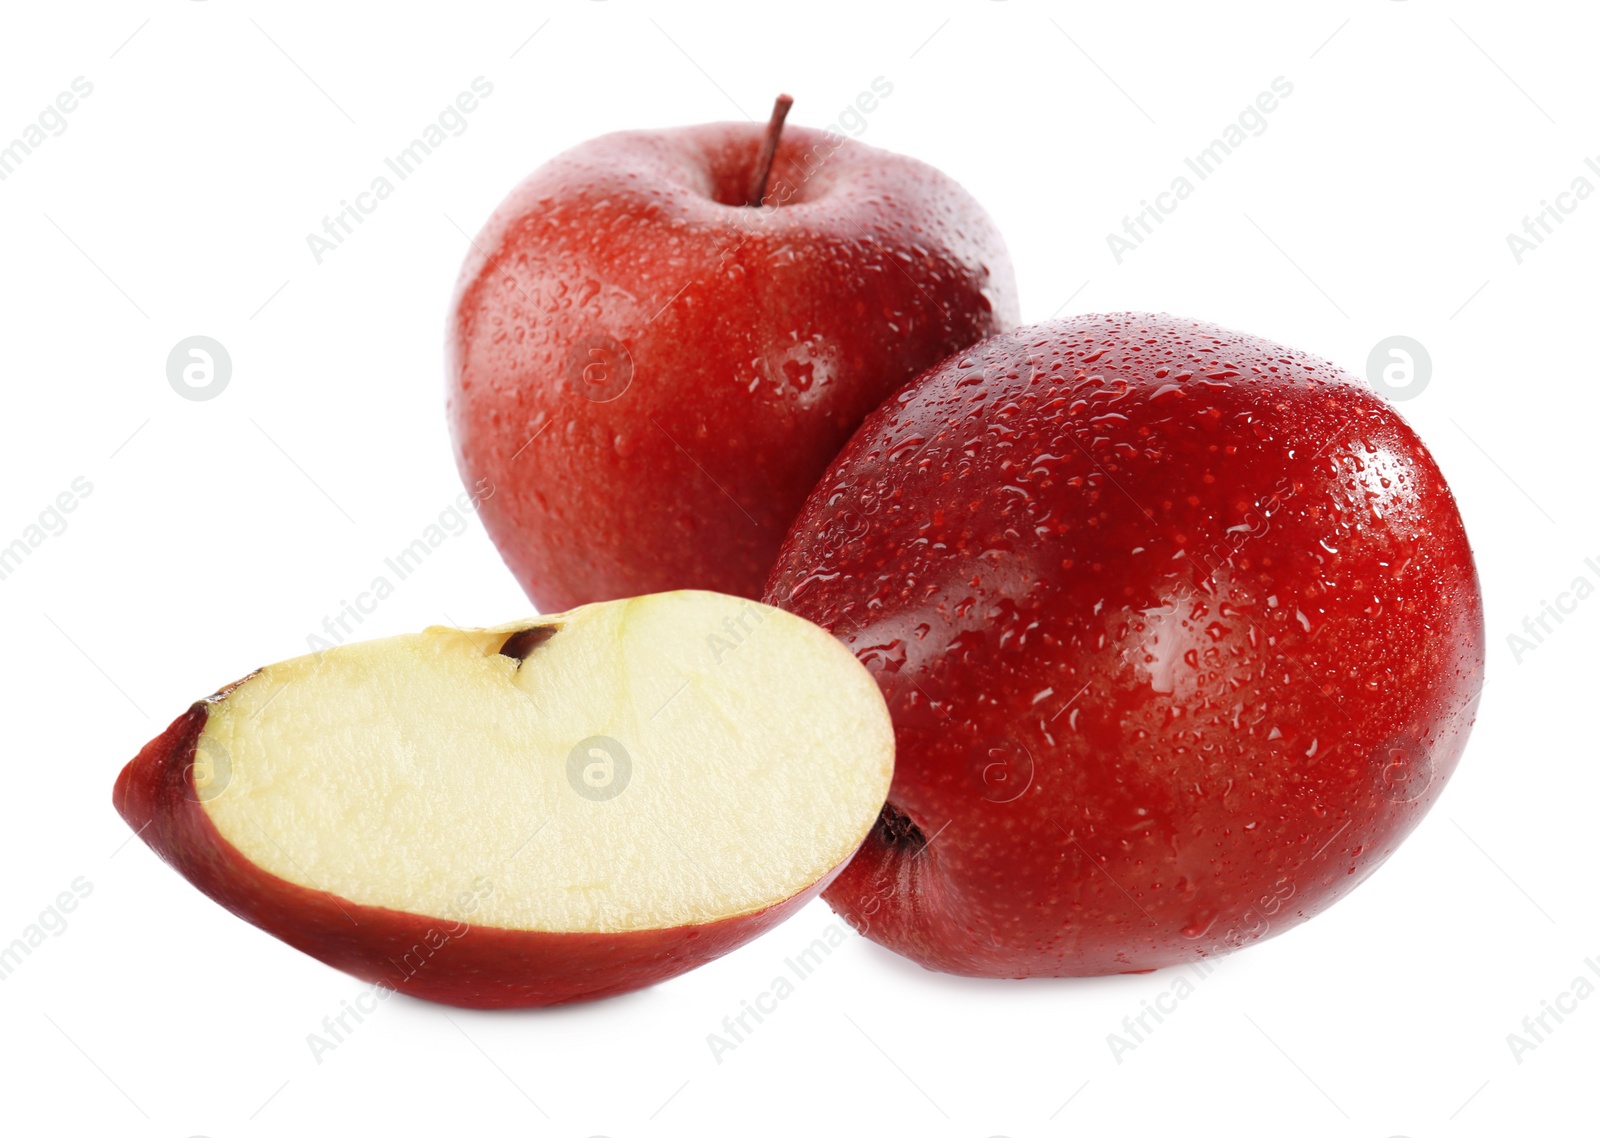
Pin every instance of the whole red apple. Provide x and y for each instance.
(1179, 629)
(653, 373)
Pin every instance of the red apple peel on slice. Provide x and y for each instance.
(559, 809)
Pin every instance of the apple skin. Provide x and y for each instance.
(470, 966)
(751, 343)
(1179, 629)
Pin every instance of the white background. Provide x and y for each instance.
(220, 533)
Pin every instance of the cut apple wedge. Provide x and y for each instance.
(559, 809)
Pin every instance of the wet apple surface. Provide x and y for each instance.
(1181, 634)
(652, 374)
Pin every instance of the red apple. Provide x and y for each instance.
(1179, 628)
(653, 373)
(527, 815)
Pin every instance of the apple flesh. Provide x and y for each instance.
(543, 812)
(652, 374)
(1179, 628)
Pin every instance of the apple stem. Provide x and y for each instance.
(769, 148)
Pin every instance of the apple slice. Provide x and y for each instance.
(557, 809)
